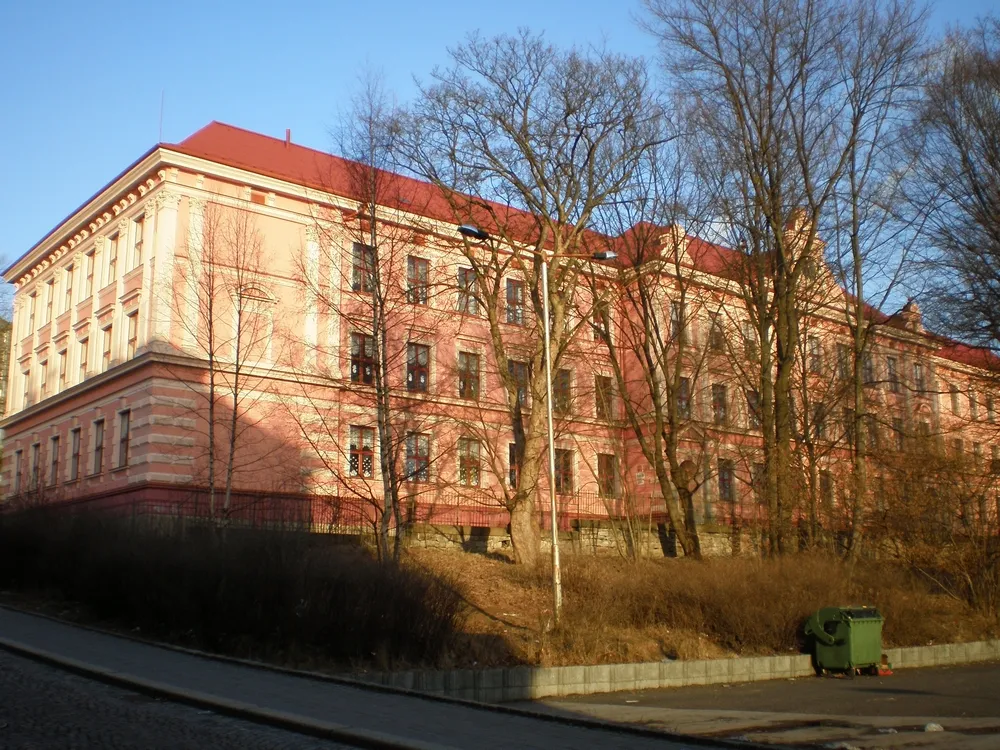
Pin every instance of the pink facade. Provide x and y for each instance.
(108, 381)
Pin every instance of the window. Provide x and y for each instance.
(897, 433)
(418, 357)
(417, 273)
(758, 481)
(106, 356)
(826, 489)
(18, 460)
(677, 323)
(843, 362)
(815, 356)
(88, 285)
(362, 265)
(68, 288)
(32, 302)
(602, 320)
(604, 397)
(607, 475)
(513, 464)
(418, 457)
(44, 385)
(753, 410)
(957, 448)
(561, 392)
(124, 417)
(27, 389)
(749, 341)
(468, 462)
(53, 460)
(819, 421)
(918, 377)
(50, 294)
(955, 402)
(112, 259)
(133, 334)
(63, 359)
(36, 451)
(720, 406)
(361, 459)
(84, 356)
(991, 409)
(892, 364)
(564, 471)
(973, 405)
(727, 481)
(467, 302)
(684, 398)
(847, 417)
(138, 226)
(362, 358)
(871, 432)
(868, 368)
(519, 372)
(515, 302)
(74, 454)
(468, 375)
(98, 447)
(716, 335)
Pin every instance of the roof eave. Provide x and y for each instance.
(140, 166)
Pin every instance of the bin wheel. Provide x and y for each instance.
(823, 672)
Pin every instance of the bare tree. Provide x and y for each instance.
(768, 86)
(225, 320)
(642, 315)
(528, 142)
(388, 295)
(958, 135)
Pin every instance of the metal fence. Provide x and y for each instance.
(351, 514)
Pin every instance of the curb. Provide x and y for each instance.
(311, 727)
(237, 709)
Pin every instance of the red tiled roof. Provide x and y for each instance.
(284, 160)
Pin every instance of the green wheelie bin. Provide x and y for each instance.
(847, 639)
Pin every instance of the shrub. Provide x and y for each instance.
(248, 593)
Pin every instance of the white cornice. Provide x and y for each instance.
(97, 212)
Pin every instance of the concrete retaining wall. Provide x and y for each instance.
(530, 683)
(587, 537)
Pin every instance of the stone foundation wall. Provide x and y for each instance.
(589, 537)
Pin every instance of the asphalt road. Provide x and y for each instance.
(966, 691)
(43, 708)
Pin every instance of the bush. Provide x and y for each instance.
(274, 594)
(751, 606)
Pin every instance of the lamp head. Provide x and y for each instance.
(605, 255)
(473, 232)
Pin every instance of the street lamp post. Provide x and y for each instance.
(473, 232)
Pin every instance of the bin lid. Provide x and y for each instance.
(860, 613)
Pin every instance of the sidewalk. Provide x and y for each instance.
(354, 715)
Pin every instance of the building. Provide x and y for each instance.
(117, 378)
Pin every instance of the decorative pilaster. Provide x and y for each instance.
(311, 280)
(195, 240)
(149, 264)
(166, 204)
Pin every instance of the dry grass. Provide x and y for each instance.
(300, 600)
(617, 611)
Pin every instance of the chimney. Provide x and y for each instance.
(288, 136)
(911, 317)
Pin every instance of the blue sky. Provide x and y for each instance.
(80, 83)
